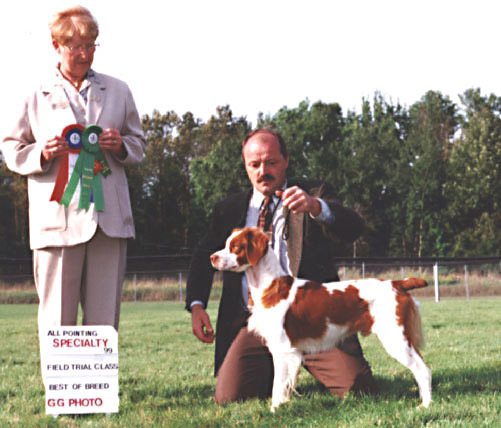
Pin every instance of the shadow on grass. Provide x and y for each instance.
(469, 380)
(445, 383)
(167, 395)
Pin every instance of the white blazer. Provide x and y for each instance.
(46, 112)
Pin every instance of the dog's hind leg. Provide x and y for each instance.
(286, 366)
(395, 343)
(422, 373)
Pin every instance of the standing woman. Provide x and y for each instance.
(79, 255)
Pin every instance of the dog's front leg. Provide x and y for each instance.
(286, 366)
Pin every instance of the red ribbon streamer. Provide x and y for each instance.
(62, 174)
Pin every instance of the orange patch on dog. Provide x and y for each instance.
(237, 246)
(278, 290)
(249, 246)
(314, 306)
(408, 316)
(407, 312)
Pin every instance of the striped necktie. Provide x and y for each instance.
(265, 219)
(265, 223)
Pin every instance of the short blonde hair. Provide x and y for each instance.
(74, 20)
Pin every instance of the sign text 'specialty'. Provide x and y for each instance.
(79, 343)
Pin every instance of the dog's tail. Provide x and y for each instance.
(409, 284)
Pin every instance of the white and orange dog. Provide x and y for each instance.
(297, 316)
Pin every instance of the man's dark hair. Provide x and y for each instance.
(283, 147)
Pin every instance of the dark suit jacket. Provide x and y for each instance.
(311, 247)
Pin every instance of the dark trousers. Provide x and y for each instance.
(247, 370)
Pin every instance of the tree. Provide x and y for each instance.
(220, 172)
(423, 173)
(160, 185)
(14, 224)
(474, 185)
(374, 141)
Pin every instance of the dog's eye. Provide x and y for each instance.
(237, 249)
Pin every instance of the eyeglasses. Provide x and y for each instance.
(88, 48)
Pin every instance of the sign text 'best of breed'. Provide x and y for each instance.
(80, 369)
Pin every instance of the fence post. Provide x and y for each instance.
(466, 282)
(135, 288)
(437, 290)
(363, 270)
(180, 287)
(402, 272)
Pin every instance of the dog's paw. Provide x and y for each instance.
(424, 405)
(275, 405)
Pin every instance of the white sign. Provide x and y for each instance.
(80, 369)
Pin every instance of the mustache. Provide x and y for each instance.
(266, 177)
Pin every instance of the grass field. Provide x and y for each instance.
(166, 376)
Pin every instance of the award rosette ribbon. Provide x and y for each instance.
(88, 169)
(73, 136)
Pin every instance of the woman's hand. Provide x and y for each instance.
(110, 139)
(56, 146)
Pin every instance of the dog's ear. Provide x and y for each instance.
(257, 245)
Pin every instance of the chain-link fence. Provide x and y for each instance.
(447, 278)
(155, 278)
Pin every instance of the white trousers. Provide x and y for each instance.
(91, 274)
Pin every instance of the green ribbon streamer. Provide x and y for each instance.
(102, 161)
(84, 169)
